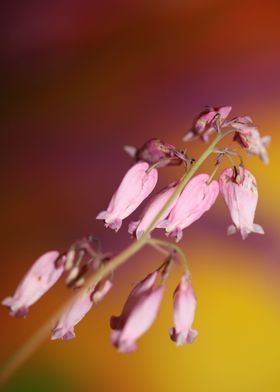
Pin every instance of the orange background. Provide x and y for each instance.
(79, 80)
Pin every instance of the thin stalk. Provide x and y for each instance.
(170, 245)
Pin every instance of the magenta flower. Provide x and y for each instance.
(205, 123)
(241, 197)
(248, 137)
(43, 274)
(139, 312)
(184, 310)
(135, 187)
(152, 209)
(64, 328)
(197, 197)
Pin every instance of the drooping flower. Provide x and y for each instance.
(139, 312)
(205, 123)
(152, 209)
(248, 136)
(241, 196)
(197, 197)
(135, 187)
(153, 151)
(43, 274)
(64, 328)
(184, 311)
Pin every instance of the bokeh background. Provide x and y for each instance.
(79, 79)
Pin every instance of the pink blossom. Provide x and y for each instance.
(248, 137)
(135, 187)
(241, 197)
(64, 328)
(43, 274)
(205, 123)
(152, 209)
(197, 197)
(153, 151)
(139, 312)
(184, 310)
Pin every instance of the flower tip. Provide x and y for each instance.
(59, 333)
(130, 150)
(103, 215)
(181, 338)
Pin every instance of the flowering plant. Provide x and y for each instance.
(89, 270)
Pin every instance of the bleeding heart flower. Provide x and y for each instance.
(197, 197)
(205, 123)
(184, 311)
(241, 196)
(248, 136)
(155, 151)
(64, 328)
(43, 274)
(152, 209)
(139, 312)
(135, 187)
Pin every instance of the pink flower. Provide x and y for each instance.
(64, 328)
(241, 197)
(205, 123)
(39, 279)
(184, 310)
(152, 209)
(248, 137)
(136, 185)
(197, 198)
(139, 312)
(153, 151)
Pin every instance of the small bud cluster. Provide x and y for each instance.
(171, 209)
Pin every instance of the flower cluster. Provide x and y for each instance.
(89, 271)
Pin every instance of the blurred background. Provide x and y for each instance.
(79, 79)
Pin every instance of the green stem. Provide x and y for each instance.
(170, 245)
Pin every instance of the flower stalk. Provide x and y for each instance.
(119, 211)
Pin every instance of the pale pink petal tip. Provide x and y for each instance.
(59, 333)
(182, 338)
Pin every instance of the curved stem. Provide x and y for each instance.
(170, 245)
